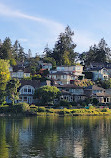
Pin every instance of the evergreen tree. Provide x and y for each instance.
(97, 53)
(63, 45)
(6, 49)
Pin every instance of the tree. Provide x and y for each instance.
(63, 45)
(97, 53)
(6, 49)
(47, 94)
(11, 89)
(4, 78)
(4, 71)
(16, 48)
(104, 83)
(50, 60)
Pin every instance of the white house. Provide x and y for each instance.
(19, 72)
(74, 68)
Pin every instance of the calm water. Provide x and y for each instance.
(55, 137)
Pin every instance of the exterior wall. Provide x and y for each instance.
(102, 74)
(26, 94)
(10, 68)
(65, 79)
(69, 98)
(104, 99)
(65, 68)
(109, 71)
(19, 74)
(79, 68)
(79, 98)
(26, 74)
(76, 91)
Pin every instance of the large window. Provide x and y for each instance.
(29, 90)
(25, 89)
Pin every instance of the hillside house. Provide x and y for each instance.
(19, 72)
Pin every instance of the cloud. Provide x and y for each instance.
(6, 11)
(23, 40)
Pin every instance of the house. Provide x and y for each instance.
(71, 92)
(61, 77)
(47, 66)
(103, 97)
(94, 65)
(75, 68)
(28, 88)
(99, 73)
(66, 96)
(98, 93)
(19, 72)
(65, 74)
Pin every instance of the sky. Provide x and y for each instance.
(37, 23)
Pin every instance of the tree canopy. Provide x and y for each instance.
(47, 94)
(63, 51)
(97, 53)
(4, 71)
(11, 89)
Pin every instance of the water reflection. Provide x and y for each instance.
(55, 137)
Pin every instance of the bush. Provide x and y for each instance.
(33, 108)
(64, 103)
(20, 107)
(105, 110)
(70, 106)
(41, 109)
(4, 108)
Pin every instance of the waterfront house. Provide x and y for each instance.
(99, 93)
(71, 92)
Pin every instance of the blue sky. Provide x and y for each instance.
(36, 23)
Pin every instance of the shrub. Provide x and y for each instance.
(33, 108)
(20, 107)
(41, 109)
(105, 110)
(64, 103)
(70, 106)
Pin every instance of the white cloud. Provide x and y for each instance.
(6, 11)
(23, 40)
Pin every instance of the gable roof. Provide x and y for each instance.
(94, 87)
(68, 86)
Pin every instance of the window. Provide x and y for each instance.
(29, 90)
(25, 98)
(20, 98)
(104, 99)
(25, 90)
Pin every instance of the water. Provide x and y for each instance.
(55, 137)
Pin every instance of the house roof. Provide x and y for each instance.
(34, 83)
(68, 86)
(96, 69)
(17, 68)
(104, 94)
(65, 92)
(94, 87)
(61, 73)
